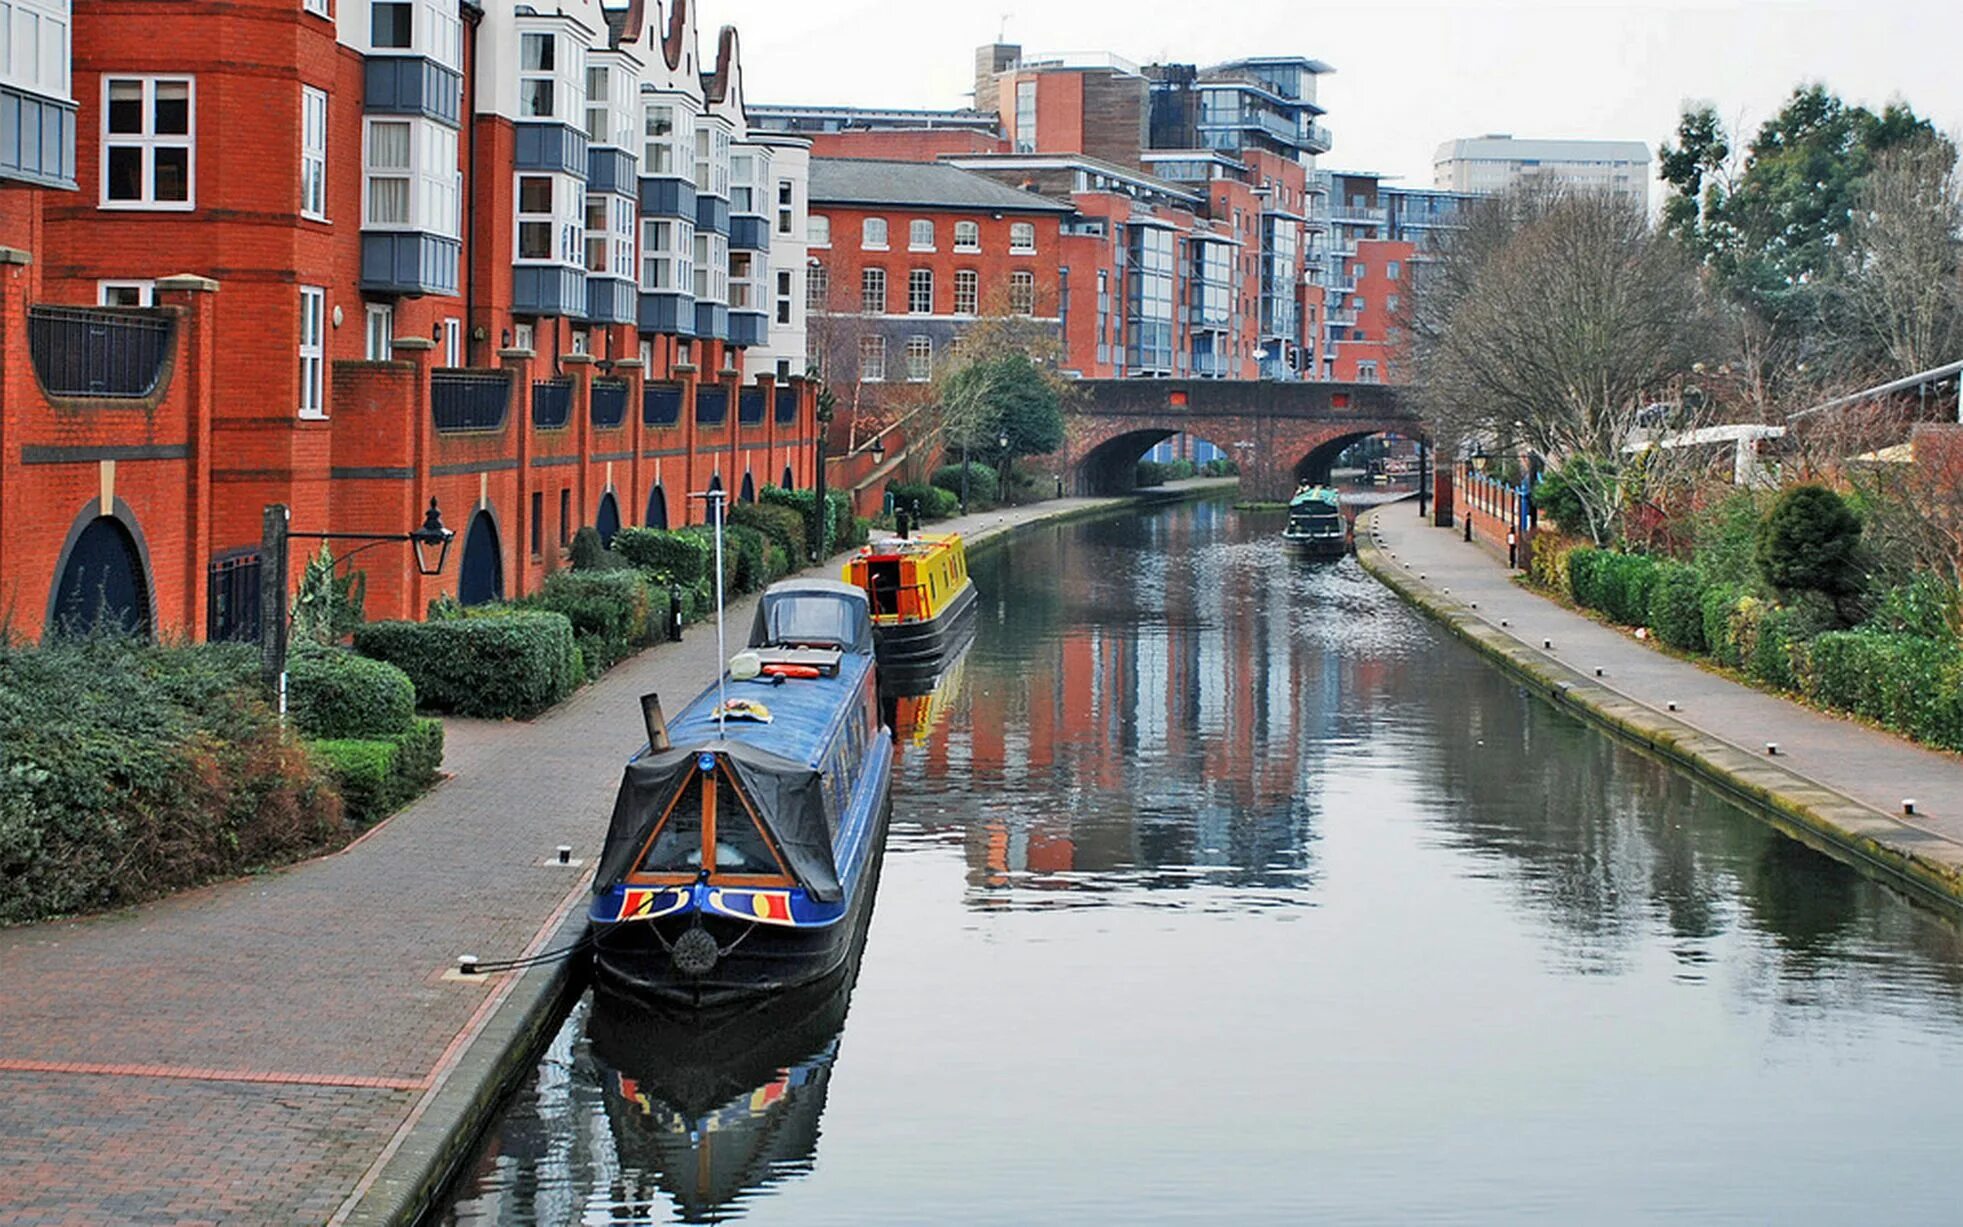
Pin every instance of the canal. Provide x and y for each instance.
(1221, 887)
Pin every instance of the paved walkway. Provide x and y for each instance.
(1872, 772)
(250, 1052)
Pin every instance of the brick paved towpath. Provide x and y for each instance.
(252, 1052)
(1834, 782)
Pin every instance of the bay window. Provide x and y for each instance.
(551, 218)
(147, 142)
(34, 46)
(667, 133)
(711, 267)
(429, 27)
(711, 158)
(667, 255)
(610, 236)
(410, 179)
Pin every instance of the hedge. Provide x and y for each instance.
(333, 693)
(681, 556)
(512, 663)
(1778, 650)
(780, 525)
(983, 481)
(1549, 565)
(841, 529)
(1614, 583)
(611, 613)
(378, 776)
(129, 770)
(1676, 607)
(1584, 569)
(1717, 604)
(932, 502)
(1910, 683)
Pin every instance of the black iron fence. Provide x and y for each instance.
(661, 404)
(462, 400)
(751, 406)
(552, 403)
(609, 403)
(79, 351)
(232, 599)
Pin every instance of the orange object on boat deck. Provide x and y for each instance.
(790, 671)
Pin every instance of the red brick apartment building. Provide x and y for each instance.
(352, 255)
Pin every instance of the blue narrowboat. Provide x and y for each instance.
(747, 834)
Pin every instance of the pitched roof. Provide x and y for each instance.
(854, 181)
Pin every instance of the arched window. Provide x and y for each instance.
(607, 521)
(749, 494)
(102, 585)
(790, 480)
(657, 516)
(481, 574)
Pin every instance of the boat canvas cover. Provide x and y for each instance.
(822, 611)
(788, 796)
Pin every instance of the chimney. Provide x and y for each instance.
(990, 60)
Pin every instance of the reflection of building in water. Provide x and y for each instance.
(1164, 717)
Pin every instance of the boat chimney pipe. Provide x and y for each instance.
(657, 724)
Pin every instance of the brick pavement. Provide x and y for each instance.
(245, 1052)
(1872, 769)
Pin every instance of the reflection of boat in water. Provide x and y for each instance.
(1316, 527)
(716, 1105)
(922, 600)
(746, 839)
(915, 702)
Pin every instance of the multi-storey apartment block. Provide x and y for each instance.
(533, 263)
(1497, 161)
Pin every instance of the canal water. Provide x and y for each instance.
(1225, 888)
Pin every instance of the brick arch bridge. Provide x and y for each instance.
(1278, 433)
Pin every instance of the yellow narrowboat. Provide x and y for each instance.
(921, 597)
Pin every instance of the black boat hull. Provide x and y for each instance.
(757, 960)
(909, 648)
(1319, 547)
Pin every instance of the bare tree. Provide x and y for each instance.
(1904, 287)
(1563, 320)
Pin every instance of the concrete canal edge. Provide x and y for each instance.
(1817, 816)
(447, 1124)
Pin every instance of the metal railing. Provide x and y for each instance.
(552, 403)
(79, 351)
(661, 404)
(608, 405)
(463, 400)
(751, 406)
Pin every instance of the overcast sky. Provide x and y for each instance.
(1408, 76)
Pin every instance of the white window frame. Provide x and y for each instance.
(149, 140)
(378, 331)
(786, 296)
(313, 153)
(920, 358)
(435, 30)
(866, 277)
(745, 289)
(42, 28)
(146, 292)
(818, 230)
(317, 7)
(967, 236)
(522, 336)
(1022, 238)
(434, 183)
(452, 341)
(711, 267)
(565, 76)
(786, 205)
(817, 286)
(663, 154)
(920, 289)
(615, 234)
(967, 291)
(711, 158)
(565, 220)
(920, 234)
(313, 352)
(872, 359)
(872, 234)
(667, 255)
(1022, 292)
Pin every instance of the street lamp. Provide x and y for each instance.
(1002, 473)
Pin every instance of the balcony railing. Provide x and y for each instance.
(81, 352)
(751, 406)
(1355, 213)
(609, 403)
(661, 404)
(552, 403)
(711, 405)
(464, 400)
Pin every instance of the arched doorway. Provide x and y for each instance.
(102, 585)
(790, 481)
(481, 577)
(657, 516)
(749, 494)
(607, 522)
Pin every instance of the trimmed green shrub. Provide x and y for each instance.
(129, 770)
(418, 755)
(983, 481)
(1726, 541)
(784, 527)
(682, 556)
(1928, 605)
(839, 526)
(609, 610)
(504, 664)
(378, 776)
(1810, 542)
(1220, 466)
(1910, 683)
(747, 545)
(1623, 583)
(933, 502)
(1548, 567)
(1777, 650)
(332, 693)
(1585, 565)
(1717, 604)
(1676, 607)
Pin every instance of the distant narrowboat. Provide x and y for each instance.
(921, 598)
(747, 835)
(1316, 527)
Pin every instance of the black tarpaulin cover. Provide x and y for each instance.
(788, 796)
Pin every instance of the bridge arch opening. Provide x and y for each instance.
(1112, 466)
(1360, 458)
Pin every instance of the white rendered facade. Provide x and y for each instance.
(1496, 162)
